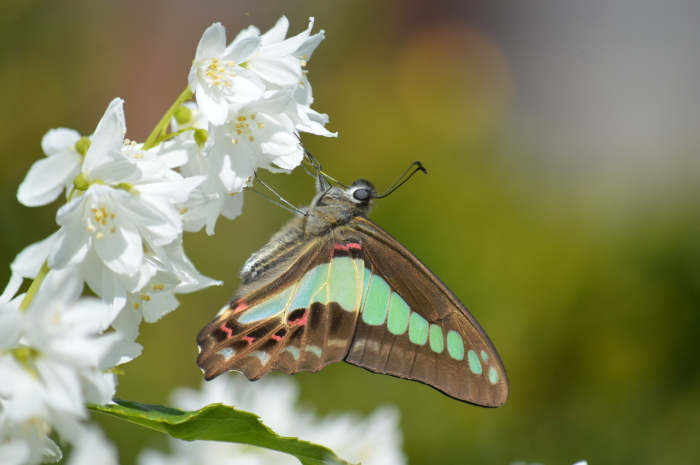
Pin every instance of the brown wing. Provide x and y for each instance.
(472, 372)
(294, 323)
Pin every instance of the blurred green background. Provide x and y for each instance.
(561, 205)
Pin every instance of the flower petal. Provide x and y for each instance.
(277, 33)
(212, 43)
(212, 104)
(59, 139)
(47, 178)
(108, 137)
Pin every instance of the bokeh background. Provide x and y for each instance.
(561, 205)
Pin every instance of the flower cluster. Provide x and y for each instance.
(253, 98)
(53, 360)
(375, 439)
(121, 230)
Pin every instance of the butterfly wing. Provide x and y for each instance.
(302, 320)
(411, 326)
(357, 295)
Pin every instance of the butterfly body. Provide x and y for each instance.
(332, 285)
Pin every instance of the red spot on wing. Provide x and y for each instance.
(348, 247)
(301, 321)
(249, 339)
(240, 306)
(277, 338)
(227, 330)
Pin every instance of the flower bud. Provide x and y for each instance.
(201, 136)
(79, 181)
(83, 145)
(183, 115)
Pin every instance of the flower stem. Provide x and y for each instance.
(34, 287)
(152, 140)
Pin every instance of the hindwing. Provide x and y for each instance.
(301, 321)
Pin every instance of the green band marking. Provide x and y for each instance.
(455, 345)
(436, 342)
(377, 302)
(417, 329)
(269, 308)
(474, 363)
(309, 285)
(319, 285)
(343, 283)
(398, 315)
(484, 356)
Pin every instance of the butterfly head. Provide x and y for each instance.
(361, 192)
(353, 200)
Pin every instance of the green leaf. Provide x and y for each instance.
(217, 422)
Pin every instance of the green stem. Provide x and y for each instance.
(174, 134)
(152, 140)
(31, 292)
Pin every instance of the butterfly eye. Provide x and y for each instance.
(361, 195)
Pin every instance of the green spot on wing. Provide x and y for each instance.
(455, 345)
(399, 312)
(418, 329)
(377, 301)
(493, 375)
(474, 363)
(436, 343)
(344, 281)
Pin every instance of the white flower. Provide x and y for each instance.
(373, 440)
(280, 63)
(164, 272)
(211, 198)
(53, 359)
(93, 448)
(49, 176)
(115, 224)
(104, 161)
(216, 77)
(275, 61)
(27, 443)
(259, 135)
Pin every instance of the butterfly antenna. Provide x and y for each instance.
(285, 204)
(416, 166)
(316, 165)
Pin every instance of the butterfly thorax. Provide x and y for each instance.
(332, 208)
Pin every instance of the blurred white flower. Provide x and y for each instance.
(374, 440)
(519, 462)
(93, 448)
(53, 360)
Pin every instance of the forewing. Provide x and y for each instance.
(301, 321)
(411, 326)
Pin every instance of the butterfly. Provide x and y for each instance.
(331, 285)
